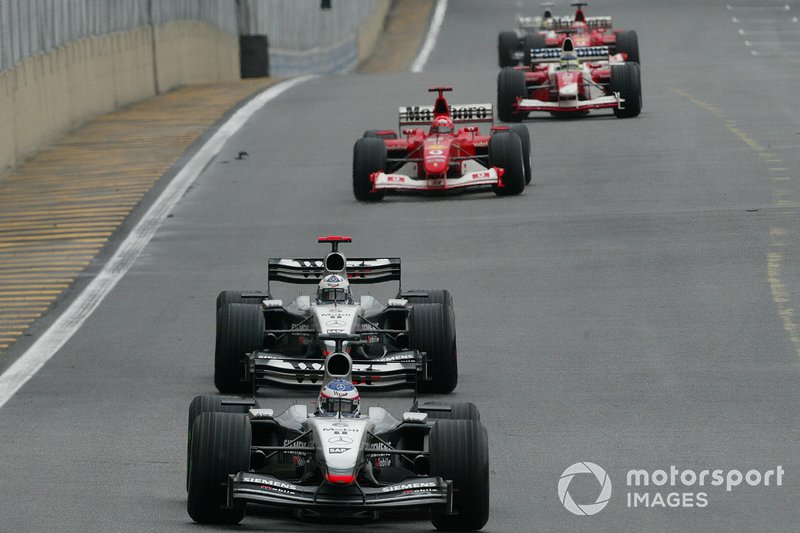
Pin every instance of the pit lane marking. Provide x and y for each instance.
(776, 260)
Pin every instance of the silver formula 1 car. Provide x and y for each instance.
(408, 341)
(336, 461)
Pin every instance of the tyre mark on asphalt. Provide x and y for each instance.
(779, 236)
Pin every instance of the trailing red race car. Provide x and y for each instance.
(570, 81)
(442, 158)
(547, 31)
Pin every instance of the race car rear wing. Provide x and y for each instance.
(311, 271)
(461, 114)
(584, 53)
(598, 22)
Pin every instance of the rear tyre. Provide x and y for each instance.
(507, 45)
(505, 151)
(240, 331)
(529, 42)
(432, 330)
(235, 297)
(628, 43)
(369, 156)
(220, 446)
(525, 139)
(626, 80)
(207, 404)
(510, 88)
(458, 411)
(459, 451)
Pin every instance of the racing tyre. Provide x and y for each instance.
(240, 331)
(434, 296)
(628, 43)
(626, 80)
(505, 151)
(529, 42)
(525, 138)
(507, 45)
(433, 332)
(379, 134)
(369, 155)
(459, 451)
(208, 404)
(510, 87)
(458, 410)
(220, 446)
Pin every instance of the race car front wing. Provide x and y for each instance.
(383, 181)
(571, 106)
(397, 370)
(266, 489)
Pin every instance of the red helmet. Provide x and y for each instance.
(442, 124)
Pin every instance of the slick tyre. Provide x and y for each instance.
(525, 139)
(510, 87)
(220, 446)
(208, 404)
(433, 332)
(626, 80)
(628, 43)
(459, 451)
(529, 42)
(507, 45)
(505, 151)
(456, 411)
(240, 331)
(369, 155)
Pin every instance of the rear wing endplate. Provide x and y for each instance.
(584, 53)
(311, 271)
(461, 114)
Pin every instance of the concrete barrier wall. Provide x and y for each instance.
(46, 95)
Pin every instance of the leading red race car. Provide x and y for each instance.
(442, 158)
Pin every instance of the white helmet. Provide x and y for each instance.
(338, 396)
(334, 288)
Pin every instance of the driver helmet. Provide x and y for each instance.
(442, 124)
(334, 288)
(337, 396)
(569, 61)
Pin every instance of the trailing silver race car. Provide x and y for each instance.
(337, 461)
(409, 341)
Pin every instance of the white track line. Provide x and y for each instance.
(430, 39)
(82, 307)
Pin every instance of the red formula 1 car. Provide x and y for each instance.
(570, 81)
(548, 31)
(442, 158)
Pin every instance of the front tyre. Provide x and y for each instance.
(505, 151)
(433, 331)
(369, 156)
(525, 138)
(240, 331)
(220, 446)
(459, 452)
(510, 88)
(626, 80)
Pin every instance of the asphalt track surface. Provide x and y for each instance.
(634, 308)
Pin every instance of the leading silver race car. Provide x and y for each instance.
(409, 341)
(336, 461)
